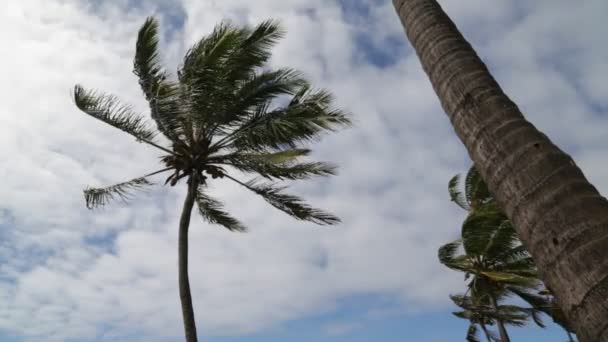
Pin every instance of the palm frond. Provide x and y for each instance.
(510, 278)
(213, 211)
(307, 116)
(259, 89)
(108, 109)
(255, 50)
(146, 64)
(479, 228)
(290, 204)
(280, 165)
(447, 256)
(502, 238)
(98, 197)
(161, 94)
(476, 190)
(472, 333)
(456, 195)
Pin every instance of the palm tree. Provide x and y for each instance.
(492, 271)
(220, 114)
(559, 216)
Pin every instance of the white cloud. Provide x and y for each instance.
(391, 191)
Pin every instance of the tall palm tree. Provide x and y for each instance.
(223, 113)
(559, 216)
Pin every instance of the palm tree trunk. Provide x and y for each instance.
(560, 217)
(486, 332)
(184, 283)
(504, 337)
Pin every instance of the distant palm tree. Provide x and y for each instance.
(493, 257)
(227, 110)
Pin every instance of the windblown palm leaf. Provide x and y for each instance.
(108, 109)
(97, 197)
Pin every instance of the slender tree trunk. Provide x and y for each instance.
(504, 337)
(486, 332)
(560, 217)
(570, 337)
(184, 283)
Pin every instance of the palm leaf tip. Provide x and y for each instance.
(146, 54)
(292, 205)
(98, 197)
(108, 109)
(212, 211)
(456, 195)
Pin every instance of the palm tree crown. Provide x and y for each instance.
(225, 110)
(493, 259)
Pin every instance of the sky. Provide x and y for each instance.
(70, 274)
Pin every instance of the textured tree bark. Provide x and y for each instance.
(560, 217)
(184, 283)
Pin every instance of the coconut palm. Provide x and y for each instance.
(560, 217)
(226, 112)
(493, 258)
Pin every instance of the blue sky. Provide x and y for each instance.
(68, 274)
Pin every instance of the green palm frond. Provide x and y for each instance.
(108, 109)
(258, 90)
(209, 52)
(161, 94)
(472, 333)
(502, 238)
(268, 165)
(524, 267)
(447, 256)
(290, 204)
(98, 197)
(307, 116)
(255, 50)
(212, 211)
(476, 190)
(544, 304)
(479, 228)
(510, 278)
(456, 195)
(146, 64)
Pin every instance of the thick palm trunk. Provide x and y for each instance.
(184, 283)
(560, 217)
(504, 337)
